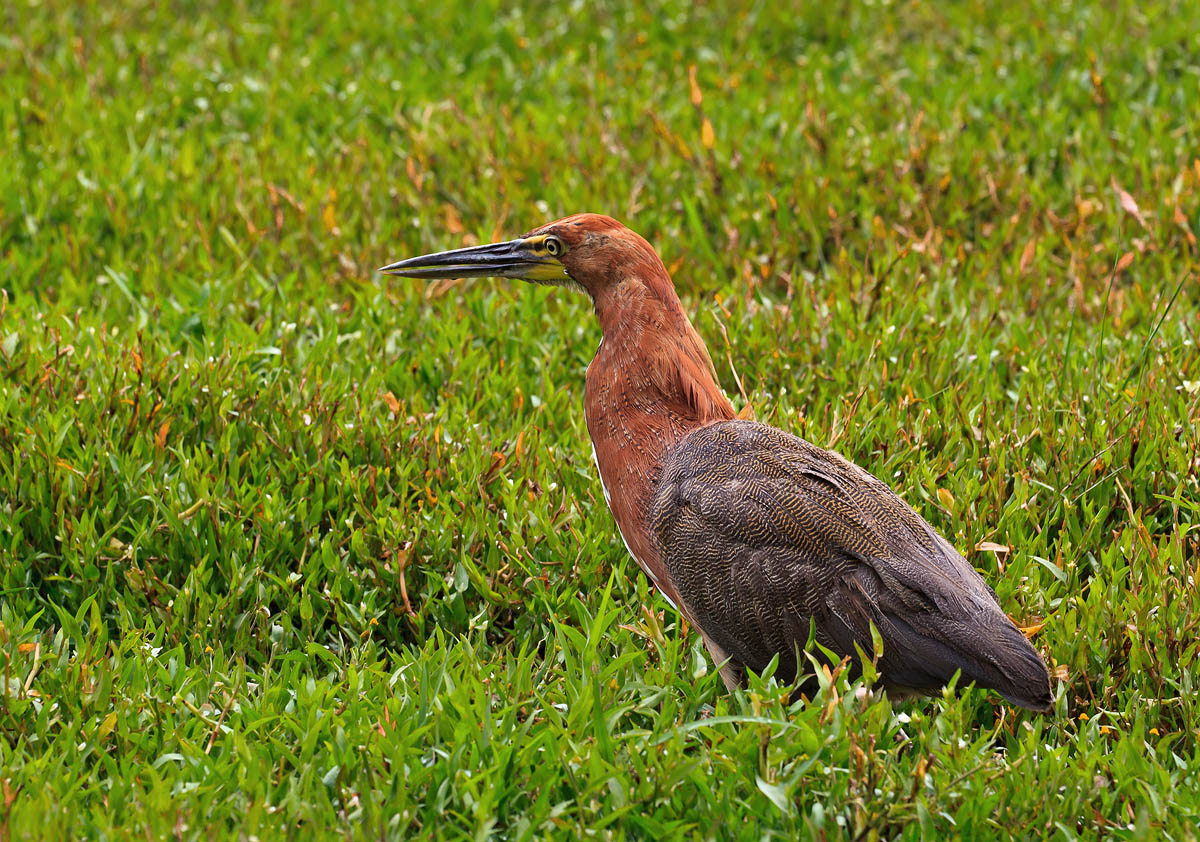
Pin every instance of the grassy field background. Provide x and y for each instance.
(289, 548)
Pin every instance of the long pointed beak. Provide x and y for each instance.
(512, 259)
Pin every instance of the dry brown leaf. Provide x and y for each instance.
(393, 404)
(1129, 205)
(160, 438)
(1027, 255)
(498, 461)
(1124, 261)
(1085, 208)
(920, 770)
(329, 215)
(67, 466)
(415, 177)
(985, 546)
(697, 98)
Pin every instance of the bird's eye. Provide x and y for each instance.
(554, 246)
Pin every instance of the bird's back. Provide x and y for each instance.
(766, 536)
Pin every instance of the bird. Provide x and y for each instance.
(763, 541)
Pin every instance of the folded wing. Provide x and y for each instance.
(766, 535)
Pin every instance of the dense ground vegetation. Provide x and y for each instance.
(287, 547)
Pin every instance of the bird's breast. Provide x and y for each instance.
(627, 448)
(648, 387)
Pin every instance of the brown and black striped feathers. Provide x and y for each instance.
(763, 533)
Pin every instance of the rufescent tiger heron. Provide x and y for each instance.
(756, 536)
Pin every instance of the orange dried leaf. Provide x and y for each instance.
(160, 438)
(67, 466)
(1129, 205)
(1030, 631)
(410, 167)
(1124, 261)
(921, 768)
(393, 404)
(708, 138)
(697, 98)
(1027, 255)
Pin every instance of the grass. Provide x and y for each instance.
(289, 549)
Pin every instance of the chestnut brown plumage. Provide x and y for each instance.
(759, 538)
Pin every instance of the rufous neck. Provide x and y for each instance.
(630, 302)
(647, 331)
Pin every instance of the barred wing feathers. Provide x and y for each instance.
(764, 533)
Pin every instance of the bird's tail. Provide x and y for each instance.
(924, 647)
(988, 650)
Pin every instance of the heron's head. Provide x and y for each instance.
(587, 251)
